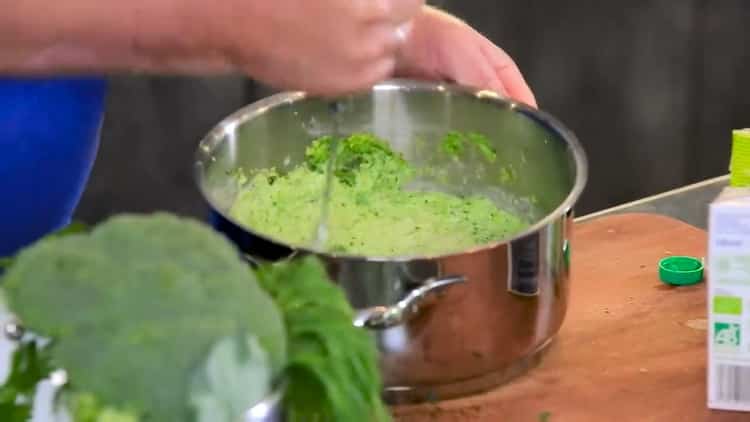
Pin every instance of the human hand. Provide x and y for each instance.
(324, 46)
(442, 47)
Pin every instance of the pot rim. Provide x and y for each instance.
(217, 135)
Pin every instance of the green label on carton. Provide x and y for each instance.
(728, 305)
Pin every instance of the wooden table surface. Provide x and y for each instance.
(631, 348)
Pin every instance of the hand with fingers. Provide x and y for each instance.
(442, 47)
(323, 46)
(336, 46)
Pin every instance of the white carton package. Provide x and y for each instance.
(729, 301)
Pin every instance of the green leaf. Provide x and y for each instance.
(12, 412)
(29, 365)
(236, 375)
(332, 371)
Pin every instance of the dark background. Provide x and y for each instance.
(652, 88)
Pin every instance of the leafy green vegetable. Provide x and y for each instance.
(30, 364)
(236, 375)
(332, 373)
(135, 306)
(15, 412)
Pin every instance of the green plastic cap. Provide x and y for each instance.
(739, 165)
(681, 270)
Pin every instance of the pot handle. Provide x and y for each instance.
(384, 317)
(256, 261)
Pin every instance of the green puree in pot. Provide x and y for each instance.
(371, 213)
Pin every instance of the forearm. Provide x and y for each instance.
(161, 36)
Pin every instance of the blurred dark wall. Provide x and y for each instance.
(652, 88)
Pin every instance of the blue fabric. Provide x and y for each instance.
(49, 135)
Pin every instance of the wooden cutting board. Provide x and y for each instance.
(631, 348)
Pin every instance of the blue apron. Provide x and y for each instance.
(49, 135)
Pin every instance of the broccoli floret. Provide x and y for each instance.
(135, 306)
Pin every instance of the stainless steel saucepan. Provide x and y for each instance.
(447, 325)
